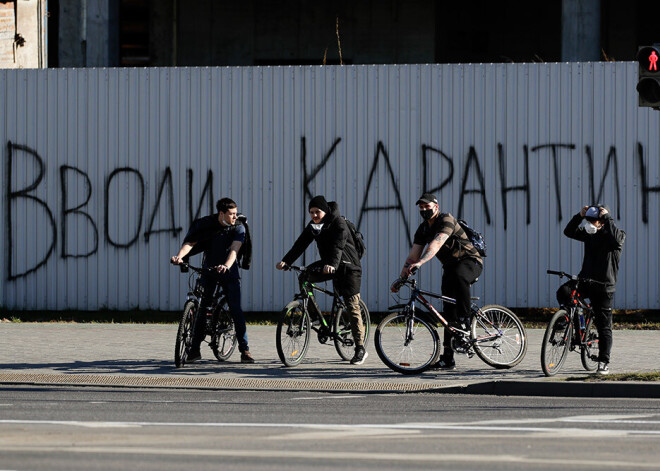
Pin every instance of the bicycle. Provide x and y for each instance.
(570, 328)
(219, 323)
(303, 314)
(408, 341)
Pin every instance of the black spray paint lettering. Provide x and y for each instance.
(646, 189)
(70, 180)
(11, 195)
(167, 181)
(473, 160)
(555, 168)
(380, 151)
(504, 189)
(611, 159)
(67, 211)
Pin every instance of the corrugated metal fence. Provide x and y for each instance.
(103, 170)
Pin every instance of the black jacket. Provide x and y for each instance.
(203, 229)
(602, 250)
(333, 241)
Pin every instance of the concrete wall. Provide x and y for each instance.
(103, 170)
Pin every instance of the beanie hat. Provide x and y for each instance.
(319, 202)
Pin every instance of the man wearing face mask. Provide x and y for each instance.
(603, 243)
(445, 239)
(339, 262)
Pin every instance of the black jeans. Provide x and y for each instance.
(601, 302)
(456, 281)
(232, 290)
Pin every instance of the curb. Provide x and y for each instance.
(606, 389)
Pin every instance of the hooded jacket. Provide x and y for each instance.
(602, 250)
(334, 242)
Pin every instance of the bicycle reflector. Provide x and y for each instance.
(648, 84)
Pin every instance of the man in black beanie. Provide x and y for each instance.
(339, 261)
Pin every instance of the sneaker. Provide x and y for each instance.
(246, 357)
(360, 355)
(443, 364)
(193, 357)
(603, 368)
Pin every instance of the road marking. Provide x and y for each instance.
(330, 396)
(349, 427)
(317, 455)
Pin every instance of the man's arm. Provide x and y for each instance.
(432, 249)
(572, 229)
(183, 251)
(231, 258)
(615, 236)
(298, 248)
(413, 256)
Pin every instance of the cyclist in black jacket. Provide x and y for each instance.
(339, 262)
(603, 243)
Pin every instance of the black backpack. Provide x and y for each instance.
(244, 258)
(358, 238)
(476, 238)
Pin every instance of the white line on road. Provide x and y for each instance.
(316, 455)
(352, 427)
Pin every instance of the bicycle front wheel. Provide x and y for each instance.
(184, 334)
(292, 337)
(223, 338)
(344, 341)
(556, 342)
(500, 339)
(407, 344)
(589, 350)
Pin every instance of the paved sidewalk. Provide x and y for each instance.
(142, 355)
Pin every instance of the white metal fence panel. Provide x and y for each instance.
(104, 169)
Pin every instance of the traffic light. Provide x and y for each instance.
(648, 84)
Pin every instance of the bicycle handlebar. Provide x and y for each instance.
(574, 277)
(185, 266)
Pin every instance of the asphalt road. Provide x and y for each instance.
(57, 428)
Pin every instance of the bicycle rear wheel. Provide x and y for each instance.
(184, 334)
(503, 341)
(407, 344)
(589, 351)
(223, 338)
(292, 336)
(344, 341)
(556, 342)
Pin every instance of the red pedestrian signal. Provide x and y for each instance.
(648, 84)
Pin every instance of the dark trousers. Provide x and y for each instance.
(456, 281)
(347, 284)
(601, 302)
(231, 288)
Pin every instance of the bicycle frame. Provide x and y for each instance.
(475, 311)
(306, 295)
(577, 302)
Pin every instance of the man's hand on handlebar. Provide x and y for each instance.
(328, 269)
(176, 260)
(281, 266)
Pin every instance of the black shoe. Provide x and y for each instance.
(603, 368)
(444, 364)
(193, 356)
(360, 355)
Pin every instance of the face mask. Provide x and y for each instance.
(317, 227)
(590, 228)
(426, 214)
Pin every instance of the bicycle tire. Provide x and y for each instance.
(184, 334)
(556, 342)
(223, 337)
(344, 341)
(292, 335)
(505, 350)
(402, 355)
(589, 351)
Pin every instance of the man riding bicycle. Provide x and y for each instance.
(603, 243)
(461, 264)
(339, 262)
(220, 238)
